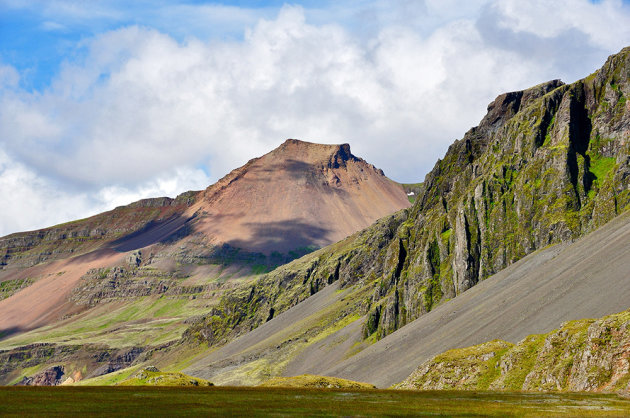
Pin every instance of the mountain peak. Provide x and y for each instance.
(507, 105)
(301, 194)
(330, 155)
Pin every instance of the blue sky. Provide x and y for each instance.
(105, 102)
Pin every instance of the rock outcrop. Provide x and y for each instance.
(49, 377)
(62, 361)
(584, 355)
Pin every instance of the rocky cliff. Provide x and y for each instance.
(584, 355)
(545, 165)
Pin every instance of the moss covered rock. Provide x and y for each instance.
(313, 381)
(584, 355)
(151, 376)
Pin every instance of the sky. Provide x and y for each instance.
(109, 101)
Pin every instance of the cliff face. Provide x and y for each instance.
(585, 355)
(545, 165)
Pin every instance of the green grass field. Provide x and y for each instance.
(230, 401)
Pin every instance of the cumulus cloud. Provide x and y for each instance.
(138, 113)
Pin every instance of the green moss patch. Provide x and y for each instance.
(151, 376)
(601, 166)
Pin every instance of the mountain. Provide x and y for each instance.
(298, 195)
(136, 274)
(545, 166)
(324, 333)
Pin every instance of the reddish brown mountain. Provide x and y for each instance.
(300, 194)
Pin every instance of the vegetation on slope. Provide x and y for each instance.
(314, 381)
(583, 355)
(151, 376)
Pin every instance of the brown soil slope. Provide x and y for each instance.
(301, 194)
(47, 299)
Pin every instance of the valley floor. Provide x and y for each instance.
(248, 401)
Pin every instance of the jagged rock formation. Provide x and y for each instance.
(49, 377)
(583, 355)
(545, 165)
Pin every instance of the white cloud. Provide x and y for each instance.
(139, 107)
(595, 19)
(52, 26)
(9, 77)
(31, 201)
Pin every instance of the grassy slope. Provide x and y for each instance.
(268, 350)
(148, 320)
